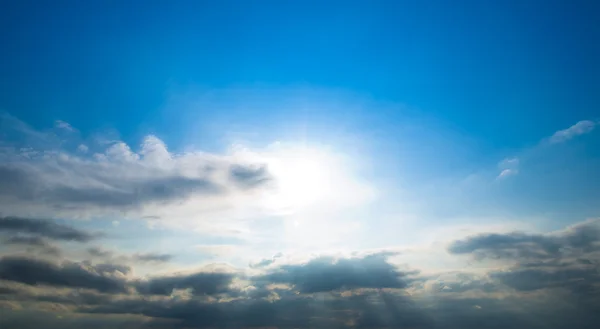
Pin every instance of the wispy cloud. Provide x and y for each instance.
(508, 167)
(44, 228)
(64, 125)
(580, 128)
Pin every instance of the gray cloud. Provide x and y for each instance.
(33, 242)
(575, 240)
(44, 228)
(103, 189)
(99, 252)
(552, 283)
(69, 274)
(565, 260)
(249, 176)
(27, 240)
(267, 261)
(208, 283)
(578, 279)
(118, 179)
(150, 257)
(327, 274)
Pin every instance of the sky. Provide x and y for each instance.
(295, 164)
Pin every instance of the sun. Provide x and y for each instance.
(303, 178)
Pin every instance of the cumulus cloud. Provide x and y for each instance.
(121, 180)
(152, 181)
(359, 291)
(580, 128)
(328, 274)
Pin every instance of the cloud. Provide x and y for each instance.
(573, 241)
(580, 279)
(153, 258)
(249, 176)
(63, 125)
(364, 291)
(507, 172)
(266, 262)
(105, 278)
(565, 260)
(580, 128)
(200, 283)
(83, 148)
(33, 242)
(27, 240)
(508, 167)
(99, 252)
(44, 228)
(328, 274)
(150, 182)
(148, 258)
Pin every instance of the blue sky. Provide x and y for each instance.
(292, 140)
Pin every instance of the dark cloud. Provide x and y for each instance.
(577, 239)
(124, 194)
(27, 240)
(564, 260)
(577, 279)
(249, 176)
(112, 256)
(33, 243)
(267, 261)
(201, 283)
(150, 257)
(328, 274)
(35, 319)
(44, 228)
(69, 274)
(552, 283)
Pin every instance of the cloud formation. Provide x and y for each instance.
(544, 276)
(30, 271)
(573, 241)
(49, 180)
(328, 274)
(580, 128)
(44, 228)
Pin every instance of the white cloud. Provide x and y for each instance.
(580, 128)
(508, 172)
(63, 125)
(82, 148)
(216, 193)
(508, 167)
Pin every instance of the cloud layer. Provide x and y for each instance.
(538, 280)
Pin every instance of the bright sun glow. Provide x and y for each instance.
(304, 177)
